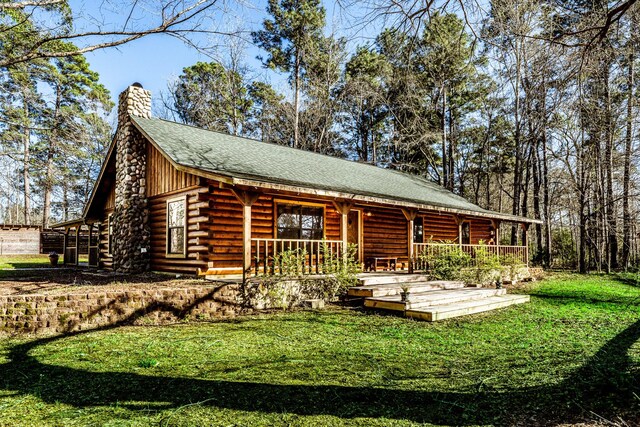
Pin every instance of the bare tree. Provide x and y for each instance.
(46, 28)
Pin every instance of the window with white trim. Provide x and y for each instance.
(176, 227)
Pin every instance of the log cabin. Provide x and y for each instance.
(175, 198)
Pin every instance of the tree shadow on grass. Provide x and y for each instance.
(604, 386)
(628, 279)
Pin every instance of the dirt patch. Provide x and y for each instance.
(59, 281)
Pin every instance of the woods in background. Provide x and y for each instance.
(529, 110)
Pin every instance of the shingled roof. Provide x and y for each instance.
(244, 160)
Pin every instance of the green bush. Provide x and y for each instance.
(487, 266)
(291, 281)
(447, 265)
(342, 270)
(290, 262)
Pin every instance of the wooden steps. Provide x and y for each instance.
(386, 289)
(430, 300)
(388, 279)
(441, 312)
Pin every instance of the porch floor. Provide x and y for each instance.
(430, 300)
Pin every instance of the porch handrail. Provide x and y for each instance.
(311, 253)
(521, 253)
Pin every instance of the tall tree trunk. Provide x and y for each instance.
(26, 162)
(445, 162)
(612, 226)
(582, 200)
(517, 176)
(48, 185)
(536, 197)
(545, 202)
(450, 151)
(296, 102)
(65, 200)
(49, 168)
(628, 146)
(525, 192)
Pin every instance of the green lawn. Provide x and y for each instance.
(24, 261)
(572, 354)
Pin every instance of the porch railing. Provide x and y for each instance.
(422, 252)
(274, 256)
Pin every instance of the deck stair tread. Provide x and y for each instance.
(389, 279)
(431, 298)
(447, 311)
(386, 289)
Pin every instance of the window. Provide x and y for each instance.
(466, 233)
(110, 234)
(300, 222)
(176, 214)
(418, 230)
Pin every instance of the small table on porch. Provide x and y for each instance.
(385, 263)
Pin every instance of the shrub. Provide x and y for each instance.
(292, 282)
(343, 271)
(290, 262)
(486, 266)
(447, 265)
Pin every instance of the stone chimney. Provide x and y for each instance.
(132, 235)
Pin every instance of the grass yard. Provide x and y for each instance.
(572, 355)
(24, 261)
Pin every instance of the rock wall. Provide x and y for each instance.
(62, 313)
(132, 236)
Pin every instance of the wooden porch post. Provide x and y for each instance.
(410, 215)
(89, 245)
(343, 209)
(247, 199)
(459, 221)
(496, 227)
(525, 241)
(78, 244)
(64, 246)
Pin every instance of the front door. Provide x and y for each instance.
(353, 231)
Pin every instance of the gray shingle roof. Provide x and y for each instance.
(248, 159)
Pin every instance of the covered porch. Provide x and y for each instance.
(316, 231)
(81, 243)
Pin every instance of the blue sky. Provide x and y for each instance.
(154, 60)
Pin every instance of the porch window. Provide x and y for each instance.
(300, 222)
(466, 233)
(418, 230)
(176, 224)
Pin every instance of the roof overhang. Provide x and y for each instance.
(381, 200)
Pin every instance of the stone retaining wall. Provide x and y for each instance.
(60, 313)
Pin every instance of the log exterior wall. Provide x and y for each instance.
(385, 233)
(480, 230)
(198, 237)
(439, 227)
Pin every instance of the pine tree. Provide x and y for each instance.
(288, 38)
